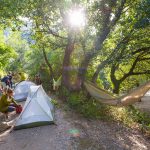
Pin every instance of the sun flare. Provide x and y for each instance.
(76, 18)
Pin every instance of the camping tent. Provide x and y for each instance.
(147, 94)
(22, 89)
(38, 109)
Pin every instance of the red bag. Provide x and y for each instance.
(18, 109)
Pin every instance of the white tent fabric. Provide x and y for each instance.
(22, 89)
(38, 109)
(147, 93)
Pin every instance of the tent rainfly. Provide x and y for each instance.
(21, 91)
(38, 109)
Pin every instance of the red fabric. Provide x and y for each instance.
(18, 109)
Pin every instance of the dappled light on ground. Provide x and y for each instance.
(75, 133)
(138, 143)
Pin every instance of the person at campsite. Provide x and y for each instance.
(10, 75)
(7, 103)
(1, 91)
(5, 81)
(38, 80)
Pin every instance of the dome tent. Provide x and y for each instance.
(38, 109)
(147, 94)
(22, 89)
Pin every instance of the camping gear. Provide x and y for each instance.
(38, 109)
(107, 98)
(18, 109)
(57, 83)
(21, 90)
(147, 94)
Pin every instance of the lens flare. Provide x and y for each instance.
(74, 132)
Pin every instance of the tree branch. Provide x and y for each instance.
(47, 62)
(49, 31)
(144, 49)
(139, 73)
(118, 13)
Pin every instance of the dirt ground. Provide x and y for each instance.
(73, 132)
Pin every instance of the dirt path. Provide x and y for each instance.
(74, 132)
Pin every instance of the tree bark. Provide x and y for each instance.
(116, 87)
(66, 63)
(84, 64)
(47, 62)
(115, 66)
(116, 83)
(112, 56)
(101, 36)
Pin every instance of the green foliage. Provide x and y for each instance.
(131, 117)
(139, 117)
(51, 31)
(7, 55)
(123, 41)
(143, 14)
(20, 46)
(88, 107)
(75, 99)
(2, 73)
(92, 109)
(31, 58)
(54, 102)
(45, 77)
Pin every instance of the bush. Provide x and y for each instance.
(95, 110)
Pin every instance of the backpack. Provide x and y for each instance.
(5, 79)
(18, 109)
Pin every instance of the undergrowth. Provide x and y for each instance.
(91, 108)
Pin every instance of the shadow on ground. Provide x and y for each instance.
(73, 132)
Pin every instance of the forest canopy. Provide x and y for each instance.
(106, 42)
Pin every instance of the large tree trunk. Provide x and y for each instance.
(116, 83)
(107, 25)
(82, 71)
(89, 56)
(116, 87)
(106, 29)
(66, 64)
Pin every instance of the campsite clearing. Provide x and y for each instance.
(73, 132)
